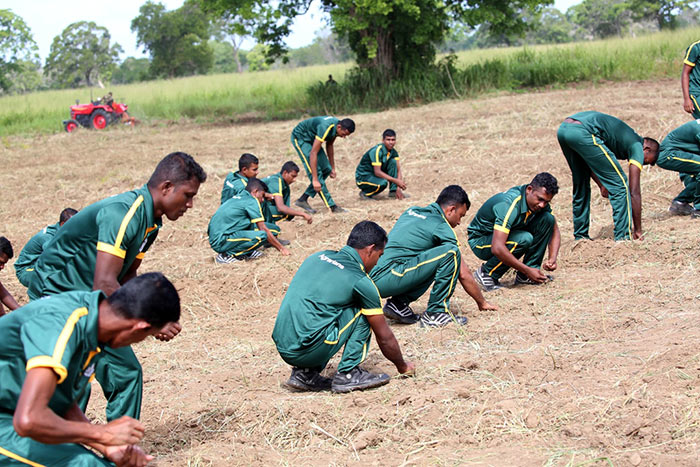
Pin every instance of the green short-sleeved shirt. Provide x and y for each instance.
(31, 251)
(278, 187)
(326, 283)
(238, 213)
(123, 225)
(316, 128)
(376, 156)
(58, 332)
(417, 229)
(234, 183)
(685, 138)
(692, 55)
(503, 212)
(616, 134)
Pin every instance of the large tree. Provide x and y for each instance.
(18, 50)
(82, 54)
(393, 36)
(177, 40)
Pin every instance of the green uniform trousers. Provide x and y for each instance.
(685, 163)
(585, 154)
(696, 108)
(372, 185)
(687, 195)
(407, 280)
(531, 242)
(272, 215)
(120, 375)
(323, 169)
(245, 241)
(16, 450)
(350, 330)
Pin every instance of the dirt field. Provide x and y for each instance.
(599, 367)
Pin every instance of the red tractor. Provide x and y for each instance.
(97, 114)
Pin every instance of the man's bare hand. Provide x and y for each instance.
(408, 370)
(604, 192)
(401, 184)
(333, 174)
(124, 430)
(550, 265)
(688, 106)
(316, 184)
(284, 252)
(169, 331)
(486, 306)
(128, 456)
(638, 235)
(536, 275)
(307, 217)
(399, 194)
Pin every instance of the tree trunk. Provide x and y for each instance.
(384, 59)
(237, 59)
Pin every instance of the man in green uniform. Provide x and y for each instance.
(514, 223)
(101, 248)
(6, 297)
(592, 142)
(235, 182)
(48, 354)
(318, 317)
(278, 209)
(238, 227)
(680, 152)
(380, 167)
(690, 80)
(423, 249)
(24, 265)
(308, 138)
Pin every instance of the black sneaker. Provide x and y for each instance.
(522, 279)
(223, 258)
(680, 208)
(306, 379)
(283, 242)
(338, 210)
(432, 319)
(303, 204)
(401, 314)
(358, 379)
(486, 282)
(365, 197)
(695, 213)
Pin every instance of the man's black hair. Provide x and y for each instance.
(6, 247)
(453, 195)
(246, 160)
(66, 214)
(348, 124)
(290, 166)
(177, 167)
(655, 147)
(367, 233)
(547, 181)
(150, 297)
(256, 184)
(388, 132)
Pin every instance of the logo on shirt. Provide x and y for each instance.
(89, 371)
(413, 213)
(331, 261)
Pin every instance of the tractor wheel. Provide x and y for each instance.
(98, 119)
(71, 125)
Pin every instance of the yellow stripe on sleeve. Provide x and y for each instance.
(65, 335)
(371, 311)
(500, 228)
(259, 219)
(687, 54)
(510, 211)
(125, 222)
(689, 63)
(636, 164)
(376, 156)
(44, 361)
(111, 249)
(326, 132)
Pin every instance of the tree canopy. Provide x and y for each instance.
(17, 48)
(82, 53)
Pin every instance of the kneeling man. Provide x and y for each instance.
(514, 223)
(332, 303)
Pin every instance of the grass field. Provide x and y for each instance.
(280, 94)
(599, 367)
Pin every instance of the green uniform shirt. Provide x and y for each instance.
(503, 212)
(685, 138)
(32, 250)
(234, 183)
(418, 229)
(123, 225)
(378, 156)
(59, 332)
(278, 187)
(239, 213)
(616, 134)
(316, 128)
(327, 283)
(692, 54)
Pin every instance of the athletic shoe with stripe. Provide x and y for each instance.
(223, 258)
(432, 319)
(307, 379)
(522, 279)
(400, 313)
(358, 379)
(255, 254)
(305, 206)
(680, 208)
(486, 282)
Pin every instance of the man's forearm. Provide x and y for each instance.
(636, 200)
(7, 299)
(554, 243)
(392, 351)
(45, 426)
(470, 286)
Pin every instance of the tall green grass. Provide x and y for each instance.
(292, 93)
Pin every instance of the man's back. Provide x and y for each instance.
(323, 128)
(31, 251)
(624, 142)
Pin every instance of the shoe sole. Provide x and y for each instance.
(483, 287)
(360, 387)
(308, 209)
(301, 387)
(400, 319)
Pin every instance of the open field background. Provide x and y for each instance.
(599, 367)
(283, 93)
